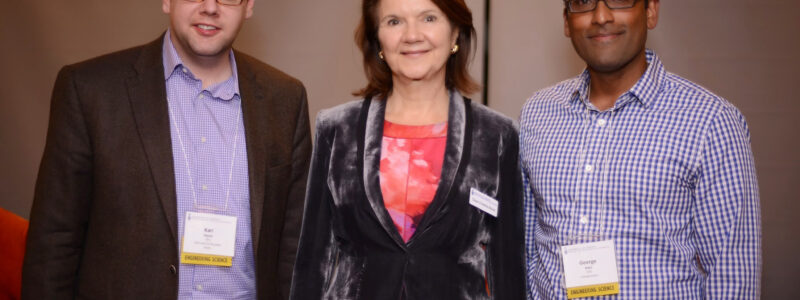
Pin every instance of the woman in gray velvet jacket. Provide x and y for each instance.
(462, 246)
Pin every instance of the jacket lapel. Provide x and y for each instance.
(458, 131)
(147, 95)
(256, 123)
(372, 120)
(148, 99)
(457, 147)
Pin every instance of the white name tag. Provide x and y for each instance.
(208, 239)
(590, 269)
(483, 202)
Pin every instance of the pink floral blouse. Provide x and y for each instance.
(411, 164)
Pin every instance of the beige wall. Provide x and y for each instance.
(313, 41)
(309, 39)
(744, 50)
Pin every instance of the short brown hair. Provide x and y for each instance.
(379, 75)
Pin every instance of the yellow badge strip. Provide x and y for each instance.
(207, 260)
(593, 290)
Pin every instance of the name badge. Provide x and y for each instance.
(483, 202)
(590, 269)
(208, 239)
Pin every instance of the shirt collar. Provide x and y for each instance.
(225, 90)
(644, 91)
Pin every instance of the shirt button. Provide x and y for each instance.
(204, 187)
(203, 139)
(601, 122)
(584, 220)
(184, 70)
(199, 287)
(200, 97)
(588, 168)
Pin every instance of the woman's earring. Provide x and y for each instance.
(454, 50)
(380, 54)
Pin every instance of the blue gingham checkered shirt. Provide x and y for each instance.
(667, 173)
(208, 123)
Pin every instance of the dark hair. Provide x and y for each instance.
(379, 75)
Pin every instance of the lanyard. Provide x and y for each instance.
(189, 170)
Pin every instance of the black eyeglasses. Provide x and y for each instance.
(223, 2)
(579, 6)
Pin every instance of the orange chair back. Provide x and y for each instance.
(13, 230)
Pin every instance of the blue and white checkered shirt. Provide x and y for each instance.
(208, 121)
(667, 173)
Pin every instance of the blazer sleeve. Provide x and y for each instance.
(316, 238)
(62, 199)
(301, 152)
(506, 247)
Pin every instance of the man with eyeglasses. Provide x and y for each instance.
(172, 170)
(639, 184)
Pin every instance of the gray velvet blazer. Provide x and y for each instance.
(349, 247)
